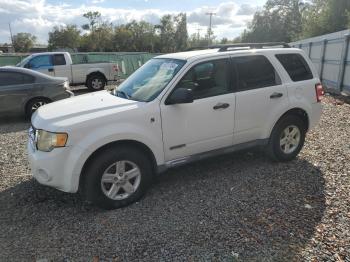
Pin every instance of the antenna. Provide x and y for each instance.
(210, 24)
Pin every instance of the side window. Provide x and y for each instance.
(27, 79)
(207, 79)
(41, 61)
(255, 72)
(59, 59)
(13, 78)
(296, 66)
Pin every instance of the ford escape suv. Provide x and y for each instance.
(175, 109)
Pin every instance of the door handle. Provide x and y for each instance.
(50, 69)
(221, 106)
(276, 95)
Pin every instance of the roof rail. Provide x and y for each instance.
(240, 46)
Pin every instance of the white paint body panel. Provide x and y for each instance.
(99, 118)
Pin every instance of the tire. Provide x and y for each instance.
(96, 82)
(287, 138)
(34, 104)
(101, 177)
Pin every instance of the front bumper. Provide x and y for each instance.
(54, 168)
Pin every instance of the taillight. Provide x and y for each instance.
(319, 92)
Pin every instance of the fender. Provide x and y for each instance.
(104, 135)
(302, 106)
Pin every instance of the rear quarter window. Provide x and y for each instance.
(296, 66)
(59, 59)
(15, 78)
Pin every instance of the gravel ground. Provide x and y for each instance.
(237, 207)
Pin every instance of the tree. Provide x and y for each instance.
(94, 20)
(325, 16)
(181, 34)
(23, 42)
(173, 33)
(280, 20)
(167, 32)
(100, 35)
(64, 37)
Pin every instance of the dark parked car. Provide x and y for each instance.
(22, 91)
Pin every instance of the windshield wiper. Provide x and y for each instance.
(124, 94)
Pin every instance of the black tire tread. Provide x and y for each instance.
(90, 186)
(273, 150)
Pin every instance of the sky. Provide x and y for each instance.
(38, 17)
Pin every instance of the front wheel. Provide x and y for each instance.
(287, 138)
(117, 177)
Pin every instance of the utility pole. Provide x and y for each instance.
(13, 47)
(209, 30)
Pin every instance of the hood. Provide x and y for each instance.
(80, 109)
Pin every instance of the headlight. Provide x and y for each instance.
(47, 141)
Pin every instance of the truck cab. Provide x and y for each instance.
(93, 75)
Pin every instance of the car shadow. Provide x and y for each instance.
(239, 206)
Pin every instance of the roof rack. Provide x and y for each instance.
(243, 46)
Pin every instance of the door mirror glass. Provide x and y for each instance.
(180, 96)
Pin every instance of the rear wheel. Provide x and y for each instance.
(287, 138)
(34, 104)
(96, 82)
(117, 177)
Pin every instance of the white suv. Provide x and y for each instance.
(175, 109)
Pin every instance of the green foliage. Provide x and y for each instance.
(280, 20)
(288, 20)
(23, 42)
(64, 37)
(325, 16)
(94, 20)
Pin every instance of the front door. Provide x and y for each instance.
(42, 64)
(207, 123)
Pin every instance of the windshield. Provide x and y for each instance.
(24, 61)
(149, 80)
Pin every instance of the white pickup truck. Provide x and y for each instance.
(93, 75)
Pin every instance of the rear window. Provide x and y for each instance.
(255, 72)
(59, 59)
(296, 66)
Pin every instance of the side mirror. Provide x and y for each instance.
(27, 65)
(180, 96)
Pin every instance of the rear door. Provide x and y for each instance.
(15, 89)
(260, 97)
